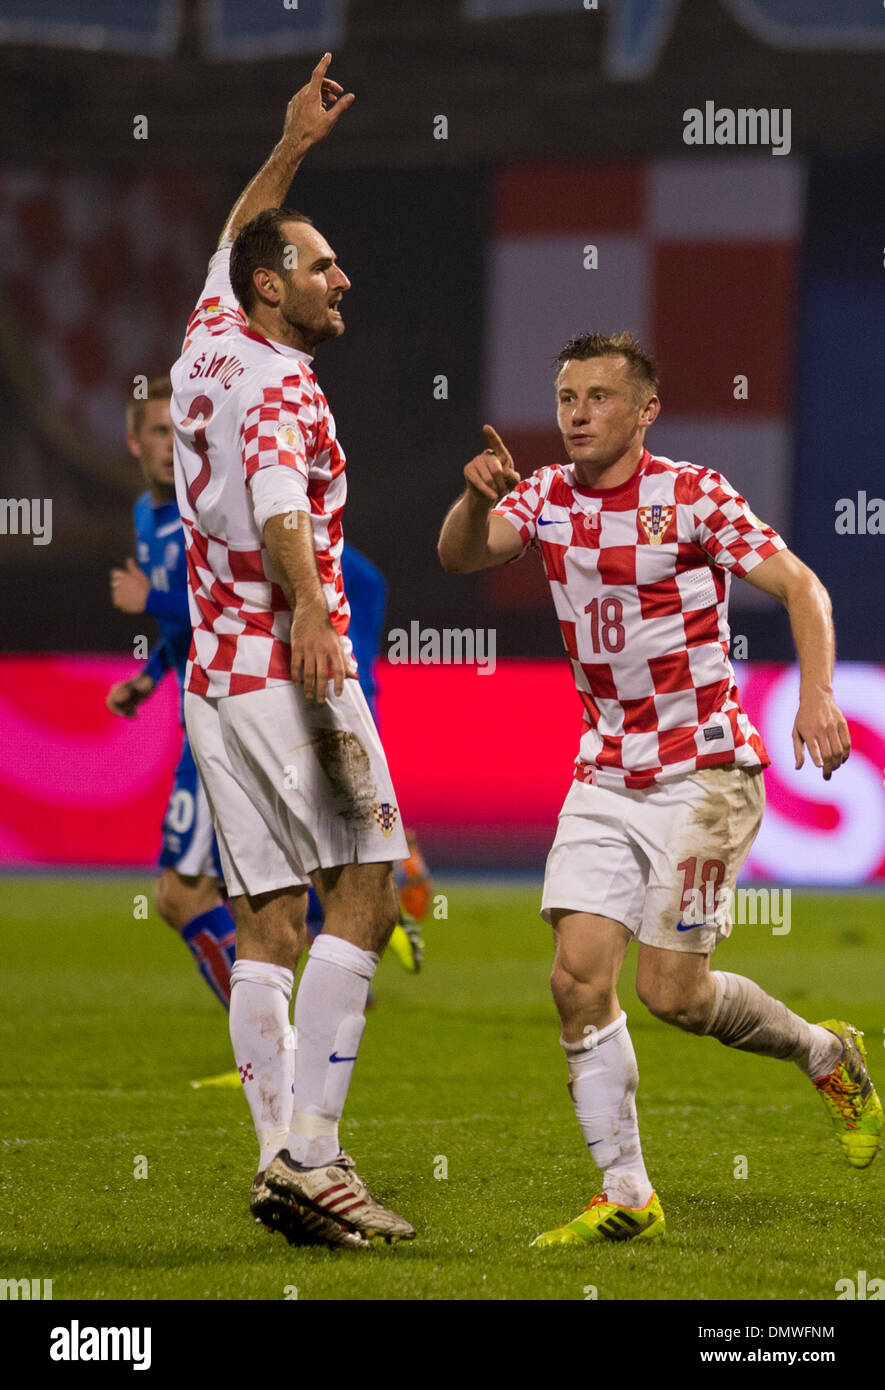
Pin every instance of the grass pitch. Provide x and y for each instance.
(106, 1023)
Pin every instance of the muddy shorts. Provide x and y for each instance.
(663, 861)
(293, 785)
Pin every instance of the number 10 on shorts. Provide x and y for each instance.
(699, 902)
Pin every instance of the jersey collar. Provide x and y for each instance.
(621, 487)
(282, 348)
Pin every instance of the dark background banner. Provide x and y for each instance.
(106, 236)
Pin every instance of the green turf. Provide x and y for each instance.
(106, 1022)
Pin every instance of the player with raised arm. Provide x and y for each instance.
(668, 791)
(283, 739)
(187, 891)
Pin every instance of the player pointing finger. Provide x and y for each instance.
(669, 773)
(492, 474)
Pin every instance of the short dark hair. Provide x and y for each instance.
(260, 244)
(583, 346)
(159, 389)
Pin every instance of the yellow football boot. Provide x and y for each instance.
(605, 1220)
(850, 1096)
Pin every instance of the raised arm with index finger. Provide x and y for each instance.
(310, 115)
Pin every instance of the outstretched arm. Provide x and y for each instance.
(820, 724)
(310, 116)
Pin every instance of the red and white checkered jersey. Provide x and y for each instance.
(640, 575)
(240, 404)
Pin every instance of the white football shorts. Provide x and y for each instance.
(663, 861)
(293, 785)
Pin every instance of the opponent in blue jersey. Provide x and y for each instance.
(187, 893)
(366, 590)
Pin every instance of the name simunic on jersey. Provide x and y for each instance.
(242, 403)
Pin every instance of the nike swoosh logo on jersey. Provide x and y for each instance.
(552, 521)
(335, 1058)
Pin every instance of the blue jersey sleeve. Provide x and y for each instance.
(171, 607)
(160, 552)
(366, 590)
(157, 664)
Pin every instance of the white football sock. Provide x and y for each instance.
(329, 1022)
(604, 1078)
(263, 1048)
(745, 1017)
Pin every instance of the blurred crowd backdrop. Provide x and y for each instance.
(512, 172)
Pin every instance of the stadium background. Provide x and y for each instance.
(466, 256)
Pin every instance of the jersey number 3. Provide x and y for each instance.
(200, 408)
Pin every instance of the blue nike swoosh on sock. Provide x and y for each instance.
(333, 1057)
(595, 1142)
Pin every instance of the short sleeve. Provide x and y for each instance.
(521, 507)
(217, 308)
(276, 427)
(725, 527)
(277, 491)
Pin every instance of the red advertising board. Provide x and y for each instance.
(481, 764)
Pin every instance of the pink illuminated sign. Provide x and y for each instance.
(481, 766)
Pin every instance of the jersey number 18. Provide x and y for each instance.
(605, 623)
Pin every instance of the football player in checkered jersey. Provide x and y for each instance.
(668, 790)
(282, 736)
(187, 892)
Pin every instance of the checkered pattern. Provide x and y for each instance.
(698, 256)
(639, 576)
(242, 403)
(80, 335)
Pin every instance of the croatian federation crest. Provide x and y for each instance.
(385, 814)
(655, 520)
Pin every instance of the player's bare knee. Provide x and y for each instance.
(360, 904)
(679, 1009)
(179, 899)
(272, 926)
(373, 931)
(583, 1000)
(166, 900)
(285, 943)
